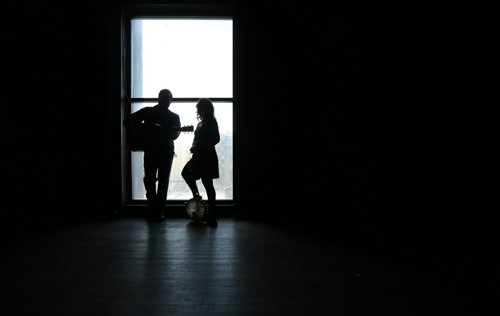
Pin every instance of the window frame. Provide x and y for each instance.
(160, 11)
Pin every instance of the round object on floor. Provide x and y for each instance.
(195, 209)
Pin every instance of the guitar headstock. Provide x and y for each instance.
(186, 128)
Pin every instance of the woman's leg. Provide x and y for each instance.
(209, 187)
(187, 174)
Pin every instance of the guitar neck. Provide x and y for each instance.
(186, 128)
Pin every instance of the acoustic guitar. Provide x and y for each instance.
(139, 136)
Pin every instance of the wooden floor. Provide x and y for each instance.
(130, 266)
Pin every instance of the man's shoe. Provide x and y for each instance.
(160, 213)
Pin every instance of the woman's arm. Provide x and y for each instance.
(206, 137)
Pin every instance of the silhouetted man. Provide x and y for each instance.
(160, 127)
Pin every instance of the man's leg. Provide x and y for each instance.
(150, 170)
(163, 181)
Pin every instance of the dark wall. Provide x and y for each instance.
(377, 117)
(56, 110)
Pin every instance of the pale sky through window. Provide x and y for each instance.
(193, 58)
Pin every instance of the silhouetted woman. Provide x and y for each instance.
(204, 164)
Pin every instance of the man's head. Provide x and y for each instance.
(165, 97)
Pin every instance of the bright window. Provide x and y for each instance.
(193, 58)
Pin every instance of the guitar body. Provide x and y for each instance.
(139, 136)
(135, 139)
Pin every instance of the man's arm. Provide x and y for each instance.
(176, 128)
